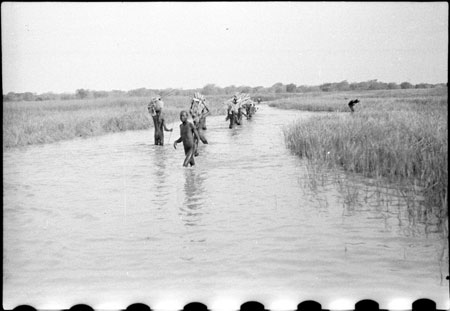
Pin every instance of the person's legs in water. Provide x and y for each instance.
(196, 140)
(232, 119)
(239, 117)
(202, 135)
(189, 152)
(203, 123)
(159, 133)
(249, 113)
(195, 147)
(159, 136)
(155, 128)
(159, 140)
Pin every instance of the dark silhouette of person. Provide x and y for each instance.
(352, 103)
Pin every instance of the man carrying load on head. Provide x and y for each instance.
(234, 111)
(198, 111)
(155, 109)
(250, 109)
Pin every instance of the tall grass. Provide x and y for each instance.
(26, 123)
(402, 139)
(382, 99)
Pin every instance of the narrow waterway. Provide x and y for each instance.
(113, 220)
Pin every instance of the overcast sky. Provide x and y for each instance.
(61, 47)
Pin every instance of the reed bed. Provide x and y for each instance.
(401, 139)
(27, 123)
(382, 99)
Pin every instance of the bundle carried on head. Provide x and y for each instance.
(198, 103)
(155, 104)
(198, 97)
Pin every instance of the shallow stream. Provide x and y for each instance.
(113, 220)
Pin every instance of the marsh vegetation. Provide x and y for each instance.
(399, 137)
(27, 123)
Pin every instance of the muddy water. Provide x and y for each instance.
(114, 220)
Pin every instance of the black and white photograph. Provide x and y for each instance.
(225, 155)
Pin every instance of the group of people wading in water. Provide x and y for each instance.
(238, 106)
(192, 133)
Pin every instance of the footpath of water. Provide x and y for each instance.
(113, 220)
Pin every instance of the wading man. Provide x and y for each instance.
(155, 109)
(234, 112)
(250, 110)
(187, 134)
(199, 110)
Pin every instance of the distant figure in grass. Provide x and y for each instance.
(259, 100)
(352, 103)
(188, 133)
(155, 109)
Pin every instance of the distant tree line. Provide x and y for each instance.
(212, 89)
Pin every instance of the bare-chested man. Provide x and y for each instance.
(250, 110)
(160, 127)
(234, 112)
(199, 110)
(198, 123)
(187, 134)
(155, 109)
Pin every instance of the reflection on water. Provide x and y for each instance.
(358, 194)
(117, 212)
(191, 210)
(160, 156)
(401, 214)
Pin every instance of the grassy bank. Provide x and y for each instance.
(387, 100)
(26, 123)
(399, 136)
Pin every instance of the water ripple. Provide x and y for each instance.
(118, 212)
